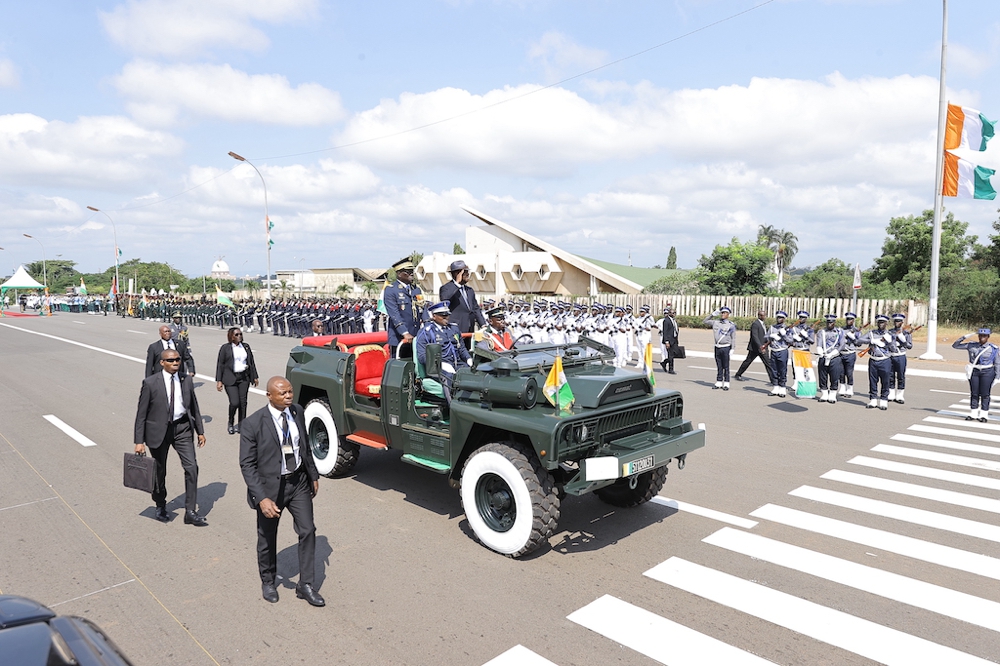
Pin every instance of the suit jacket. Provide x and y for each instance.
(758, 335)
(153, 356)
(260, 454)
(151, 418)
(462, 315)
(224, 365)
(668, 331)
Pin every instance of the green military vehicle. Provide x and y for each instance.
(512, 454)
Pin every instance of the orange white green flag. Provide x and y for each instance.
(967, 128)
(965, 180)
(557, 390)
(647, 363)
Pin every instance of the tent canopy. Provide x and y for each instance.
(21, 280)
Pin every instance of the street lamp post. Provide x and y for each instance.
(114, 233)
(267, 222)
(45, 274)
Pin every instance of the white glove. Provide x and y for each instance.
(469, 361)
(901, 338)
(878, 343)
(775, 336)
(797, 337)
(888, 337)
(716, 313)
(850, 335)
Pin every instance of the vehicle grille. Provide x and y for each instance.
(623, 424)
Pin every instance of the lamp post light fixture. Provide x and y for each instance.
(114, 233)
(267, 222)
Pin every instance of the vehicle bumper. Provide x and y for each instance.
(634, 455)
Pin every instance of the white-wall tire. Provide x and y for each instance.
(509, 499)
(333, 456)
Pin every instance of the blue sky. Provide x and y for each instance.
(816, 117)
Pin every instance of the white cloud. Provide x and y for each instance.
(183, 28)
(8, 74)
(559, 56)
(551, 132)
(159, 94)
(967, 61)
(94, 151)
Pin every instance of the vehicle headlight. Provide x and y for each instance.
(581, 433)
(664, 411)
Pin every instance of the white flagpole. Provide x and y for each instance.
(932, 307)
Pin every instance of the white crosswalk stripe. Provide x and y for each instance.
(927, 472)
(670, 642)
(863, 637)
(915, 490)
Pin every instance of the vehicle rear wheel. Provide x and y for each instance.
(334, 456)
(509, 499)
(623, 493)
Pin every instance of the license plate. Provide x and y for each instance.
(637, 466)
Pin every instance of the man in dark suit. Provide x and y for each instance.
(165, 342)
(461, 300)
(668, 340)
(756, 348)
(280, 473)
(167, 416)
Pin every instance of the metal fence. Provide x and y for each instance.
(747, 306)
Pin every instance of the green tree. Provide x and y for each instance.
(831, 279)
(907, 247)
(672, 258)
(370, 288)
(457, 249)
(343, 290)
(783, 245)
(735, 269)
(416, 257)
(60, 274)
(677, 282)
(151, 275)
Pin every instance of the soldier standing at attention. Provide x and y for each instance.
(643, 333)
(848, 355)
(902, 341)
(829, 344)
(403, 303)
(778, 336)
(983, 370)
(725, 337)
(879, 343)
(803, 334)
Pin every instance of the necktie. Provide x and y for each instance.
(171, 398)
(170, 344)
(465, 298)
(286, 444)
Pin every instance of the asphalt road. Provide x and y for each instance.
(894, 558)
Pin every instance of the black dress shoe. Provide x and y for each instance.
(663, 364)
(269, 592)
(236, 428)
(162, 515)
(231, 429)
(739, 378)
(671, 372)
(969, 418)
(309, 594)
(192, 518)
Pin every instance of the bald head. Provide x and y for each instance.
(279, 392)
(165, 332)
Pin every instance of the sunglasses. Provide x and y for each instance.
(171, 360)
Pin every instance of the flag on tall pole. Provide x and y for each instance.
(965, 180)
(967, 128)
(114, 288)
(381, 299)
(83, 287)
(222, 298)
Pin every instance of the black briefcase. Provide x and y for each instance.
(139, 471)
(680, 352)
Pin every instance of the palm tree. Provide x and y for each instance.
(784, 245)
(343, 290)
(370, 288)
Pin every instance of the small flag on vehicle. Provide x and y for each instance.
(557, 390)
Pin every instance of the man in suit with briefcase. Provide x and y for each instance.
(168, 416)
(280, 473)
(668, 340)
(757, 347)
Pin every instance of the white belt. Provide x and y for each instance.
(982, 367)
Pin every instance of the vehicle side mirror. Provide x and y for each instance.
(432, 360)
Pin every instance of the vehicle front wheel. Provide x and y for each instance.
(333, 455)
(633, 491)
(509, 499)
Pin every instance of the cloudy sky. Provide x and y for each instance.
(373, 122)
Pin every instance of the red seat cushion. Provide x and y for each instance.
(371, 387)
(369, 362)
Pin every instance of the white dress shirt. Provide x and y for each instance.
(167, 344)
(179, 408)
(239, 358)
(293, 432)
